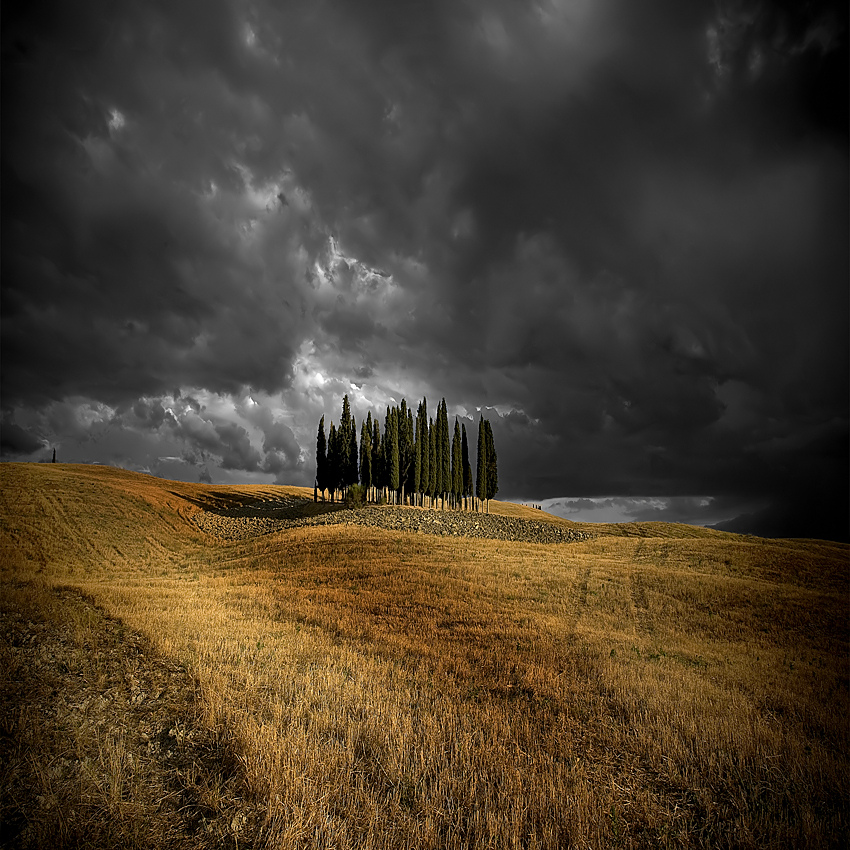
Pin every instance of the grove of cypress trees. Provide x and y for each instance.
(416, 457)
(321, 461)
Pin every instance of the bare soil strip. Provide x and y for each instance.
(100, 743)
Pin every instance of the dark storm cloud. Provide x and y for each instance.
(118, 279)
(238, 452)
(620, 228)
(16, 441)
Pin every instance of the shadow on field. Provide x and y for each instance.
(270, 507)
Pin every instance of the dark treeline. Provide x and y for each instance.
(415, 460)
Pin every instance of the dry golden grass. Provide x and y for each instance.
(654, 686)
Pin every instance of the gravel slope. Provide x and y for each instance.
(253, 521)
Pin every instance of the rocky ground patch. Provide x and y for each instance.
(265, 519)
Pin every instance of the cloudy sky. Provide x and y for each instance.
(618, 228)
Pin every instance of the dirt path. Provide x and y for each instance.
(100, 742)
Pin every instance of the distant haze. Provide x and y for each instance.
(618, 230)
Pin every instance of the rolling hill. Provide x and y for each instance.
(192, 665)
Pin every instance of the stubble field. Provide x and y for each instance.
(354, 686)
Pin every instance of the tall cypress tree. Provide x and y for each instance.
(481, 462)
(432, 461)
(377, 458)
(352, 473)
(386, 450)
(321, 460)
(366, 455)
(445, 452)
(492, 469)
(425, 480)
(344, 437)
(333, 461)
(403, 447)
(417, 456)
(392, 453)
(409, 485)
(438, 458)
(457, 468)
(467, 469)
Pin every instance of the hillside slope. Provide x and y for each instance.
(368, 686)
(125, 501)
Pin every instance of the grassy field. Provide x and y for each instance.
(657, 685)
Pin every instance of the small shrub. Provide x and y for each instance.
(355, 497)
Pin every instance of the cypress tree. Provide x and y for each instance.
(457, 468)
(481, 462)
(321, 460)
(417, 456)
(352, 473)
(392, 453)
(467, 469)
(333, 461)
(377, 458)
(425, 480)
(352, 469)
(492, 469)
(445, 453)
(386, 451)
(438, 458)
(432, 461)
(366, 455)
(403, 448)
(411, 462)
(344, 437)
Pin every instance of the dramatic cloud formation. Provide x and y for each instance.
(620, 230)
